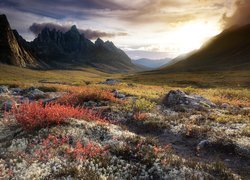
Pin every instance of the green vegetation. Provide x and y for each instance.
(139, 105)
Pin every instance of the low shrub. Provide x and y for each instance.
(139, 105)
(48, 88)
(140, 116)
(88, 151)
(35, 115)
(78, 98)
(52, 145)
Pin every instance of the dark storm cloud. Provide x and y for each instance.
(59, 9)
(136, 11)
(88, 33)
(240, 17)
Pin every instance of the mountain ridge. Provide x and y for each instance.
(152, 63)
(54, 49)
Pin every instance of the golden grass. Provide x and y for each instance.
(26, 77)
(221, 87)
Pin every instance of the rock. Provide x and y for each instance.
(202, 145)
(15, 91)
(33, 93)
(4, 89)
(111, 82)
(179, 100)
(26, 91)
(119, 95)
(225, 105)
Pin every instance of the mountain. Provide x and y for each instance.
(63, 50)
(229, 50)
(70, 49)
(151, 63)
(11, 50)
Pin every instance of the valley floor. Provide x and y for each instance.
(77, 125)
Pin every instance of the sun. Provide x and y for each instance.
(192, 35)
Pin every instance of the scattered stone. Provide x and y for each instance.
(225, 105)
(202, 145)
(119, 95)
(4, 89)
(179, 100)
(33, 93)
(111, 82)
(15, 91)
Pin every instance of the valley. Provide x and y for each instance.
(75, 106)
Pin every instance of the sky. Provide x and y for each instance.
(142, 28)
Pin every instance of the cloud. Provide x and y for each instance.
(88, 33)
(136, 11)
(240, 17)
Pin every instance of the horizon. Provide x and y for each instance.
(162, 29)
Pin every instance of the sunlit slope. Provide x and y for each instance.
(230, 50)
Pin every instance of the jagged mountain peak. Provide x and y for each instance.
(3, 19)
(11, 50)
(73, 28)
(58, 49)
(99, 42)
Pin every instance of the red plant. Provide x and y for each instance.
(84, 95)
(80, 152)
(140, 116)
(33, 115)
(84, 152)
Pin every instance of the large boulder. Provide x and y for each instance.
(181, 101)
(33, 93)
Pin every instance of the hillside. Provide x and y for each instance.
(229, 50)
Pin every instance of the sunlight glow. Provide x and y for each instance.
(192, 35)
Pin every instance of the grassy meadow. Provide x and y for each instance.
(220, 87)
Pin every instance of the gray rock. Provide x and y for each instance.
(119, 95)
(179, 100)
(4, 89)
(33, 93)
(225, 105)
(15, 91)
(111, 82)
(202, 145)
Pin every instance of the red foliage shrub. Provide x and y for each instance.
(85, 152)
(140, 116)
(79, 151)
(33, 115)
(86, 94)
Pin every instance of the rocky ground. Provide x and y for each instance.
(184, 137)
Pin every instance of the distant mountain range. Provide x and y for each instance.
(151, 63)
(229, 50)
(56, 49)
